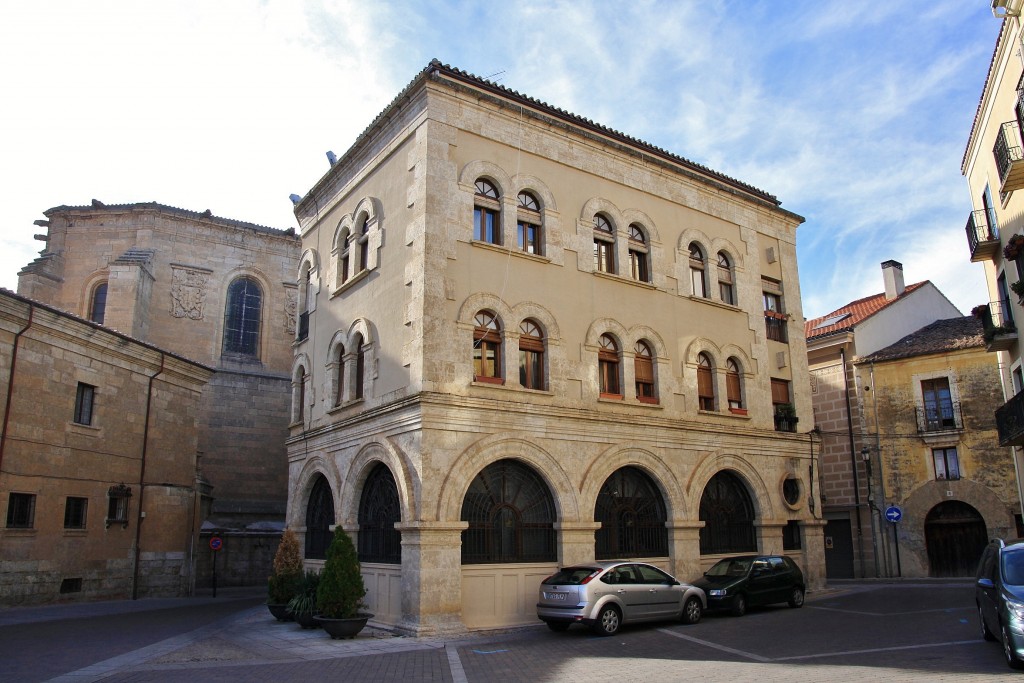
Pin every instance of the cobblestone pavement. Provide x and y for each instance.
(861, 632)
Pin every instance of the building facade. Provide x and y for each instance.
(98, 481)
(993, 165)
(929, 403)
(528, 340)
(834, 341)
(215, 290)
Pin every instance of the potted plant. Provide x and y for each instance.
(283, 584)
(339, 596)
(1014, 247)
(785, 417)
(1018, 289)
(303, 606)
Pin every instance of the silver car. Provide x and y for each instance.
(605, 595)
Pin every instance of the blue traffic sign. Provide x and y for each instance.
(893, 513)
(216, 543)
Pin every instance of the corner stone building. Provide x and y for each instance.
(528, 340)
(218, 291)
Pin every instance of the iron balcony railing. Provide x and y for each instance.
(1010, 421)
(939, 417)
(982, 235)
(1008, 156)
(999, 331)
(775, 326)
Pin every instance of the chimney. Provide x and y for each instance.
(892, 273)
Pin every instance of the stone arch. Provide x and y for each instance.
(265, 305)
(297, 501)
(474, 303)
(93, 281)
(734, 254)
(310, 259)
(605, 326)
(596, 205)
(301, 400)
(498, 447)
(637, 216)
(486, 169)
(371, 207)
(615, 458)
(705, 345)
(992, 508)
(638, 332)
(689, 235)
(529, 183)
(345, 226)
(404, 472)
(363, 327)
(535, 311)
(712, 464)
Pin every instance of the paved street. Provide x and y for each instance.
(913, 631)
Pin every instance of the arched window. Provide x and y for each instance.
(343, 261)
(364, 244)
(608, 366)
(308, 296)
(339, 387)
(528, 224)
(643, 370)
(728, 516)
(487, 348)
(487, 212)
(632, 514)
(360, 369)
(698, 274)
(726, 285)
(531, 355)
(511, 516)
(639, 254)
(319, 518)
(733, 385)
(299, 395)
(242, 316)
(98, 304)
(379, 511)
(705, 382)
(604, 244)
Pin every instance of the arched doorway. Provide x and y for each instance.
(379, 511)
(728, 515)
(319, 518)
(955, 535)
(632, 514)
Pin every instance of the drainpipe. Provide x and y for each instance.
(853, 463)
(10, 382)
(142, 479)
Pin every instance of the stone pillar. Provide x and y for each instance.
(431, 578)
(769, 535)
(576, 541)
(684, 548)
(812, 542)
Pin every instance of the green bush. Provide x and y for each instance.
(304, 601)
(286, 580)
(340, 593)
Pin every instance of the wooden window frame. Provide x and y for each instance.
(609, 361)
(487, 336)
(643, 372)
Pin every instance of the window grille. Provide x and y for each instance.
(728, 515)
(379, 511)
(632, 514)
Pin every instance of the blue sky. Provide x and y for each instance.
(855, 113)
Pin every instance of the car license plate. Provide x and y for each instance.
(555, 596)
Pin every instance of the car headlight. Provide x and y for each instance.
(720, 592)
(1016, 609)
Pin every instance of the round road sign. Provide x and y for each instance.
(893, 513)
(216, 543)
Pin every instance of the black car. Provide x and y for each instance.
(999, 594)
(736, 583)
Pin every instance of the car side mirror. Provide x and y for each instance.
(985, 583)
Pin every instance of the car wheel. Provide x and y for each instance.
(558, 625)
(1011, 657)
(608, 622)
(985, 633)
(739, 605)
(692, 611)
(796, 598)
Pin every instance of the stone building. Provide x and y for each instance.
(98, 479)
(834, 341)
(218, 291)
(528, 340)
(929, 403)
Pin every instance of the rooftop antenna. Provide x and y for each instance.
(492, 76)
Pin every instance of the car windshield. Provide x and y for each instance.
(730, 568)
(570, 576)
(1013, 568)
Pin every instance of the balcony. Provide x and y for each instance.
(942, 417)
(1009, 157)
(1010, 421)
(982, 236)
(1000, 332)
(775, 326)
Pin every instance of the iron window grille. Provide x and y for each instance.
(21, 510)
(319, 518)
(118, 497)
(728, 515)
(632, 514)
(379, 511)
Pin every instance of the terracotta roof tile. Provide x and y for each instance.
(952, 334)
(853, 313)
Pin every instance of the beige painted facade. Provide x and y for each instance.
(61, 469)
(926, 466)
(405, 311)
(168, 273)
(994, 169)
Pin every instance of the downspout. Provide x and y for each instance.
(142, 478)
(853, 463)
(10, 382)
(881, 479)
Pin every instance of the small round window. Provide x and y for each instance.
(791, 491)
